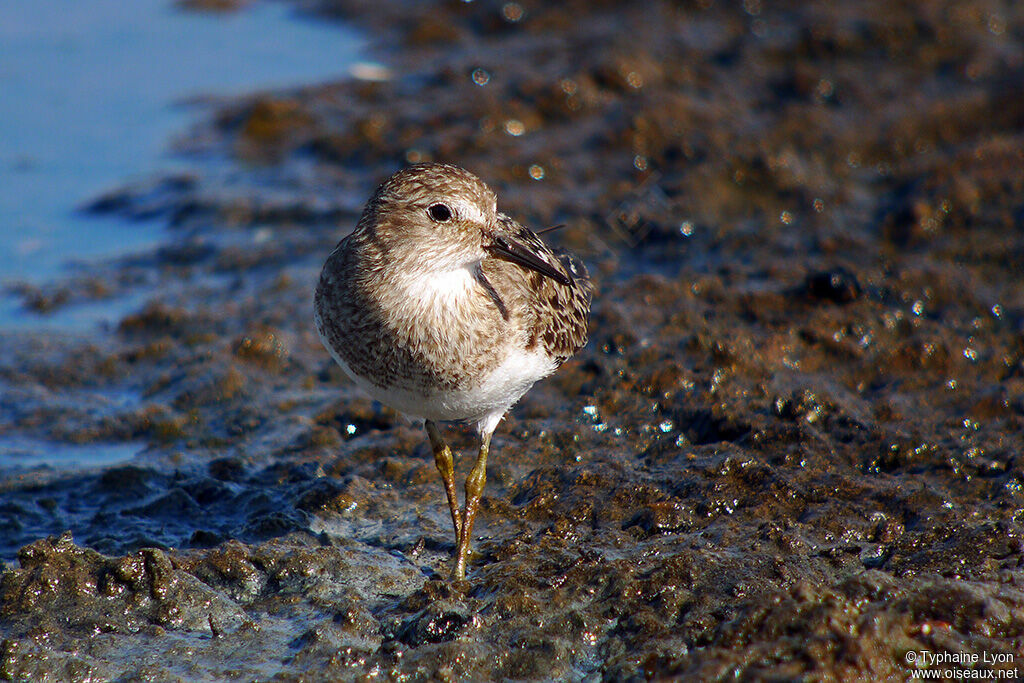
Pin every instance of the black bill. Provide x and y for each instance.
(512, 250)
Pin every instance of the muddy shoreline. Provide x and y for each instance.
(791, 449)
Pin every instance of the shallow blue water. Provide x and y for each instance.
(18, 454)
(91, 95)
(92, 92)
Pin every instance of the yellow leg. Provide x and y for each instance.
(474, 490)
(446, 466)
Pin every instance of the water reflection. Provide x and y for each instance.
(91, 93)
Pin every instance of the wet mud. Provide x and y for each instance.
(792, 448)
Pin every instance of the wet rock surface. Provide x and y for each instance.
(791, 449)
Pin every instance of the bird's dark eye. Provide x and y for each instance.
(440, 212)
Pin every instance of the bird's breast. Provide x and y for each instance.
(442, 324)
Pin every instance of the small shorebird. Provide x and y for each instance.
(447, 310)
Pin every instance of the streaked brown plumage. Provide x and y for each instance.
(447, 310)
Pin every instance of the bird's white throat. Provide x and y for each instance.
(428, 289)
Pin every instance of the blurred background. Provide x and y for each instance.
(93, 94)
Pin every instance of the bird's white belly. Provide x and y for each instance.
(484, 403)
(433, 296)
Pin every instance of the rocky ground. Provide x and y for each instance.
(792, 448)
